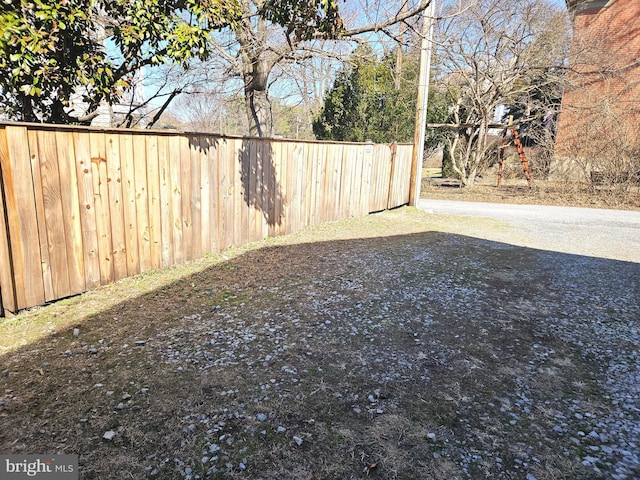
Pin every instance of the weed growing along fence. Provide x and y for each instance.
(84, 207)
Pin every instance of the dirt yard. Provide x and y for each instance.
(542, 193)
(402, 345)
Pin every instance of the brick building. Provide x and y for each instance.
(601, 104)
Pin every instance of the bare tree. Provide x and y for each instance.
(492, 53)
(599, 127)
(264, 46)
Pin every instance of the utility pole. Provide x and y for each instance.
(421, 104)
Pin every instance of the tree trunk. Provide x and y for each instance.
(256, 69)
(258, 110)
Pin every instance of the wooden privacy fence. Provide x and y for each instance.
(84, 207)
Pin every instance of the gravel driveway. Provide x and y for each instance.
(613, 234)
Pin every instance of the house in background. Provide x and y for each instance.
(601, 103)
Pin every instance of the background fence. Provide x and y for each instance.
(84, 207)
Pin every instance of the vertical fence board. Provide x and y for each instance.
(166, 210)
(101, 197)
(175, 178)
(297, 186)
(142, 201)
(252, 186)
(130, 216)
(55, 239)
(196, 198)
(22, 219)
(269, 192)
(186, 185)
(206, 146)
(241, 213)
(41, 211)
(7, 284)
(224, 194)
(116, 207)
(310, 182)
(213, 160)
(71, 210)
(274, 193)
(240, 191)
(266, 190)
(153, 189)
(84, 172)
(337, 175)
(345, 186)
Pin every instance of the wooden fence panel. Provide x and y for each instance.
(71, 210)
(7, 286)
(153, 191)
(205, 196)
(166, 205)
(101, 197)
(43, 234)
(22, 222)
(84, 207)
(130, 216)
(225, 230)
(175, 187)
(86, 199)
(116, 207)
(399, 190)
(213, 158)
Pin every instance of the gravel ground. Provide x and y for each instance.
(403, 345)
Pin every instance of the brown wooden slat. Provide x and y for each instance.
(130, 216)
(252, 187)
(116, 207)
(142, 201)
(71, 210)
(195, 196)
(309, 187)
(225, 237)
(43, 234)
(153, 189)
(240, 211)
(187, 211)
(101, 198)
(45, 165)
(84, 172)
(274, 193)
(166, 215)
(175, 176)
(345, 182)
(205, 194)
(265, 172)
(296, 165)
(7, 284)
(213, 159)
(22, 219)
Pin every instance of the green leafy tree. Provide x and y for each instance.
(364, 102)
(51, 50)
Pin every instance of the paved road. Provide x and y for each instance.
(586, 231)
